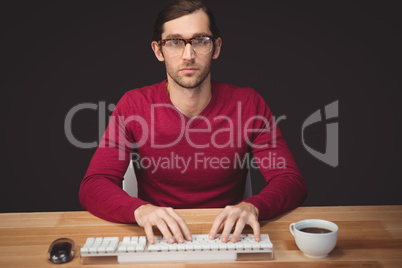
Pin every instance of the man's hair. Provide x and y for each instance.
(178, 8)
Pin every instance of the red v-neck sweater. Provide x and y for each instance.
(191, 163)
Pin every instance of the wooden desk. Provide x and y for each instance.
(369, 236)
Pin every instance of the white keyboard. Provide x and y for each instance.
(136, 249)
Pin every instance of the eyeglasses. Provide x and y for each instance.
(175, 46)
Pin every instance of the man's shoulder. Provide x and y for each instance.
(148, 91)
(231, 87)
(141, 98)
(241, 92)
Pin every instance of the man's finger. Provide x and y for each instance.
(255, 225)
(183, 227)
(149, 233)
(173, 225)
(238, 230)
(161, 224)
(217, 224)
(227, 229)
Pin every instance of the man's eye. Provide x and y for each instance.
(174, 42)
(201, 41)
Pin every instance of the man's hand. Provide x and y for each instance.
(167, 220)
(236, 216)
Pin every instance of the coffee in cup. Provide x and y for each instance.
(315, 238)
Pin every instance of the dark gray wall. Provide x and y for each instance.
(299, 55)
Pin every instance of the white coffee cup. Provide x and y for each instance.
(315, 245)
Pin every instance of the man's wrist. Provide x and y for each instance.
(251, 208)
(137, 211)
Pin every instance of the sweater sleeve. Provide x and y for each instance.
(285, 187)
(100, 192)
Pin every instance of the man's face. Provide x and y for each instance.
(189, 70)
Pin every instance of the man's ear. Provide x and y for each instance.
(158, 51)
(217, 48)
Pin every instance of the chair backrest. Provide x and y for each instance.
(130, 183)
(248, 189)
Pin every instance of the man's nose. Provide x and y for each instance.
(188, 53)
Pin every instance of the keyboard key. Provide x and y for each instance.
(206, 246)
(96, 245)
(142, 240)
(256, 245)
(231, 245)
(103, 246)
(264, 236)
(189, 246)
(222, 246)
(164, 247)
(123, 248)
(197, 247)
(200, 237)
(214, 246)
(131, 248)
(248, 246)
(112, 246)
(153, 247)
(172, 247)
(139, 248)
(90, 241)
(181, 247)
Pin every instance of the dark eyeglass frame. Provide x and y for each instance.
(186, 41)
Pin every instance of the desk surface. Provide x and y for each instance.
(369, 236)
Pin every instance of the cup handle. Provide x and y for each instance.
(292, 228)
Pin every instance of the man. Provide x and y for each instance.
(189, 138)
